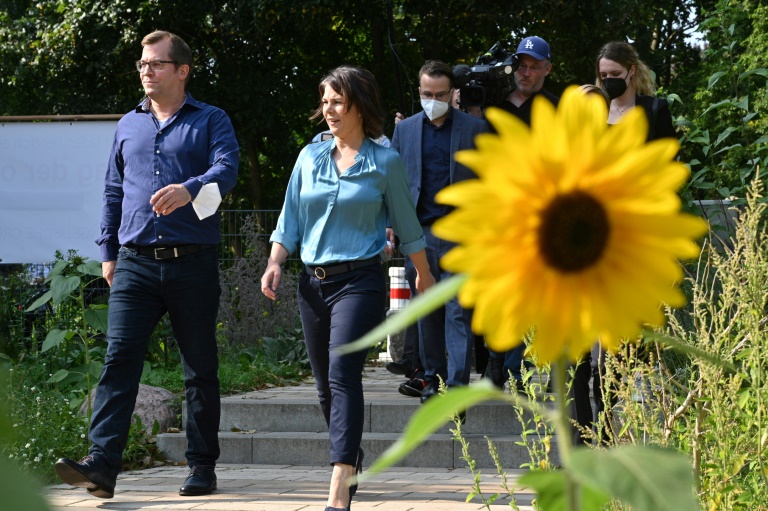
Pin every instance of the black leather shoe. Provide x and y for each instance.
(402, 367)
(87, 473)
(200, 481)
(358, 470)
(432, 389)
(494, 371)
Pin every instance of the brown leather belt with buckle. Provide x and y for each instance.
(323, 272)
(160, 253)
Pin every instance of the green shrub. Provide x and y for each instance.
(46, 425)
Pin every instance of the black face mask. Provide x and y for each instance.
(614, 87)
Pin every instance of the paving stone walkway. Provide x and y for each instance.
(290, 488)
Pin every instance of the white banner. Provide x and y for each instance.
(51, 187)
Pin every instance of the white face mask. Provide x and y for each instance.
(434, 108)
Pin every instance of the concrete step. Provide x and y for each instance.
(311, 449)
(381, 416)
(284, 426)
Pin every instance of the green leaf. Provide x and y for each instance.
(714, 78)
(94, 368)
(91, 268)
(58, 376)
(715, 106)
(688, 349)
(646, 478)
(724, 192)
(722, 136)
(54, 338)
(551, 491)
(761, 140)
(96, 317)
(19, 490)
(146, 369)
(743, 103)
(418, 307)
(431, 416)
(40, 301)
(744, 396)
(758, 71)
(59, 267)
(62, 287)
(727, 148)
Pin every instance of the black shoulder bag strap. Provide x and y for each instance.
(652, 120)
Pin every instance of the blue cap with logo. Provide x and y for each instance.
(536, 47)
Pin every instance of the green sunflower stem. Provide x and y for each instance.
(563, 429)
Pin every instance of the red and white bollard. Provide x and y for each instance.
(399, 296)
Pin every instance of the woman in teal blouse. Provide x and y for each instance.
(341, 196)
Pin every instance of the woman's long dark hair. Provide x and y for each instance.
(358, 87)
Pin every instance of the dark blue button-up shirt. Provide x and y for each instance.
(435, 170)
(195, 147)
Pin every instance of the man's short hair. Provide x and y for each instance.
(178, 49)
(435, 69)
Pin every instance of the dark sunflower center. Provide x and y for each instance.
(574, 232)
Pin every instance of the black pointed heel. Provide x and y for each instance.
(358, 470)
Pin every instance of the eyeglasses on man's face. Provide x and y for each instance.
(440, 96)
(532, 69)
(153, 65)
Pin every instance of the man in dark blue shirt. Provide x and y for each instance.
(172, 158)
(427, 143)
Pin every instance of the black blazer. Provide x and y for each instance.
(660, 123)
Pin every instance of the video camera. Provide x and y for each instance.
(489, 81)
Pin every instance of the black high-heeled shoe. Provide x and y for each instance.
(358, 470)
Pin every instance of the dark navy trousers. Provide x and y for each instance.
(445, 336)
(337, 311)
(143, 290)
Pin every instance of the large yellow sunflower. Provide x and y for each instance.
(572, 227)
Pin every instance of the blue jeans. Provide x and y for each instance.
(446, 330)
(143, 290)
(337, 311)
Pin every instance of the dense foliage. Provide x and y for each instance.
(261, 60)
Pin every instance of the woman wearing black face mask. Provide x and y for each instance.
(628, 82)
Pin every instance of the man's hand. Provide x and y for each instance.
(389, 248)
(424, 281)
(108, 271)
(166, 200)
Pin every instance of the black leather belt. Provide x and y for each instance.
(159, 253)
(322, 272)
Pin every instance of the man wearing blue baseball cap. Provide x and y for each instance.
(535, 64)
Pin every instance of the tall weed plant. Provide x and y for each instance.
(722, 413)
(247, 317)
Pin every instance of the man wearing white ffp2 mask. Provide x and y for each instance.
(427, 143)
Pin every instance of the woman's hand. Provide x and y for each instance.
(271, 278)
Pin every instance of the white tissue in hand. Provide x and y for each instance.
(207, 201)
